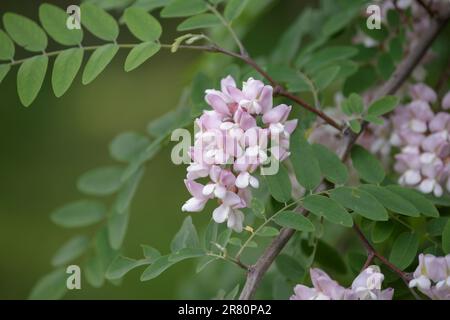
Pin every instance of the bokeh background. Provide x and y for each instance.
(44, 148)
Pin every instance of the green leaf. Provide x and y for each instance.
(306, 166)
(204, 262)
(339, 21)
(186, 253)
(200, 83)
(25, 32)
(100, 23)
(50, 287)
(206, 20)
(121, 266)
(368, 167)
(386, 65)
(360, 202)
(354, 104)
(93, 272)
(422, 204)
(329, 209)
(294, 220)
(360, 81)
(279, 185)
(183, 8)
(404, 250)
(268, 232)
(127, 192)
(289, 267)
(4, 69)
(383, 106)
(54, 20)
(234, 8)
(79, 213)
(101, 181)
(156, 268)
(141, 53)
(232, 294)
(327, 56)
(117, 228)
(324, 77)
(391, 200)
(258, 207)
(30, 78)
(7, 48)
(71, 250)
(356, 261)
(186, 237)
(446, 238)
(150, 253)
(98, 62)
(142, 25)
(375, 120)
(150, 5)
(396, 48)
(381, 231)
(355, 125)
(65, 69)
(127, 145)
(106, 254)
(435, 227)
(210, 235)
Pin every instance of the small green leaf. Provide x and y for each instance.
(200, 83)
(150, 253)
(106, 254)
(141, 53)
(121, 265)
(391, 200)
(381, 231)
(355, 125)
(446, 238)
(294, 220)
(289, 267)
(127, 192)
(328, 208)
(93, 272)
(435, 227)
(30, 78)
(101, 181)
(354, 104)
(7, 48)
(404, 250)
(71, 250)
(383, 106)
(4, 69)
(375, 120)
(186, 253)
(142, 25)
(328, 257)
(324, 77)
(186, 237)
(327, 56)
(360, 202)
(206, 20)
(117, 228)
(183, 8)
(422, 204)
(279, 185)
(65, 69)
(268, 232)
(156, 268)
(54, 20)
(50, 287)
(127, 145)
(385, 65)
(234, 8)
(368, 167)
(306, 166)
(25, 32)
(339, 21)
(79, 214)
(98, 62)
(330, 165)
(210, 235)
(100, 23)
(204, 262)
(258, 208)
(360, 81)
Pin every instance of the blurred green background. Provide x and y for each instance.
(45, 147)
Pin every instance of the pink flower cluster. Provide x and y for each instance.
(424, 139)
(366, 286)
(432, 276)
(231, 143)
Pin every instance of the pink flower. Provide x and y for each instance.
(198, 201)
(421, 91)
(446, 101)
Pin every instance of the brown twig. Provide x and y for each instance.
(402, 72)
(427, 8)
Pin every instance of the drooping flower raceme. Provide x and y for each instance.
(366, 286)
(432, 276)
(232, 141)
(424, 139)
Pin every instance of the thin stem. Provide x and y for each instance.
(427, 8)
(229, 259)
(227, 25)
(409, 227)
